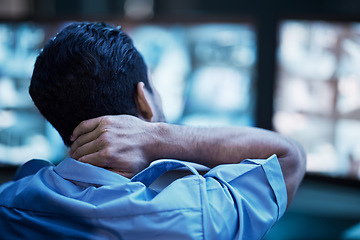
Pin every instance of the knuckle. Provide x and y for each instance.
(107, 156)
(104, 139)
(105, 132)
(104, 154)
(106, 120)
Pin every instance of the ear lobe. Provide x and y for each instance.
(142, 103)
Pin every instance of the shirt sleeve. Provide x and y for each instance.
(243, 201)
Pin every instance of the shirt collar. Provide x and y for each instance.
(74, 170)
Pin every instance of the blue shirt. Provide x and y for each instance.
(75, 200)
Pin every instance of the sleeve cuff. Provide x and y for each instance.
(275, 177)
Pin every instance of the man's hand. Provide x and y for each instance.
(122, 144)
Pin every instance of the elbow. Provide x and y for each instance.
(294, 168)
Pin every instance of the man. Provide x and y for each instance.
(92, 86)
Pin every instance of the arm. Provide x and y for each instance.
(128, 145)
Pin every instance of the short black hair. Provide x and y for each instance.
(88, 70)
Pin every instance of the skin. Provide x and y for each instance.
(127, 144)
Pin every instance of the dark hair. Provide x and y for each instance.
(88, 70)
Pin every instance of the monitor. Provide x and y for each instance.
(317, 93)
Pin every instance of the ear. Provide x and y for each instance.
(142, 102)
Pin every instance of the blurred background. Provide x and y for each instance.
(288, 66)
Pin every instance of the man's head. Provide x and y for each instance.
(90, 70)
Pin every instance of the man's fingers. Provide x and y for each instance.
(93, 159)
(86, 127)
(83, 140)
(103, 158)
(87, 148)
(90, 131)
(76, 147)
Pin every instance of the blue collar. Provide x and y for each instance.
(74, 170)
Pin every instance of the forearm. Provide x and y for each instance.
(215, 146)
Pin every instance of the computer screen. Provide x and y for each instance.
(317, 93)
(205, 73)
